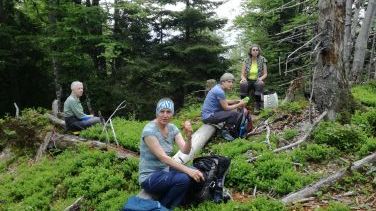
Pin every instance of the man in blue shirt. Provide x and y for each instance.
(218, 109)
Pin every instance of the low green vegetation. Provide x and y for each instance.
(347, 138)
(261, 203)
(314, 153)
(365, 93)
(105, 182)
(53, 184)
(127, 133)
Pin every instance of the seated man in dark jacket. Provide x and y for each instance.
(75, 118)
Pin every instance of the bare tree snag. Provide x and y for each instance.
(347, 36)
(361, 43)
(313, 188)
(371, 57)
(331, 90)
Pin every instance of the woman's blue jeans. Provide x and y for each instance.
(171, 186)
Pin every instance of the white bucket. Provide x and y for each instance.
(271, 100)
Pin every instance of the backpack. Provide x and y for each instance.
(214, 168)
(244, 125)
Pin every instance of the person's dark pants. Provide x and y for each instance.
(171, 186)
(230, 118)
(74, 124)
(253, 89)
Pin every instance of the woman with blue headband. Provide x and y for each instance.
(159, 173)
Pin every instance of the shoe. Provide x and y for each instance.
(227, 136)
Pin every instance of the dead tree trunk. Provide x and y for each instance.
(331, 90)
(371, 57)
(347, 36)
(55, 63)
(361, 43)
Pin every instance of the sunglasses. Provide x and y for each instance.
(255, 49)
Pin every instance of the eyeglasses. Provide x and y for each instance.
(255, 49)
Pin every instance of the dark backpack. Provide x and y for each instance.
(244, 124)
(214, 169)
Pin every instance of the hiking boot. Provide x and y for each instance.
(226, 135)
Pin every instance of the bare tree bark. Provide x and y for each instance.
(55, 64)
(358, 6)
(361, 43)
(347, 37)
(331, 91)
(371, 57)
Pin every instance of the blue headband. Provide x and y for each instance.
(164, 103)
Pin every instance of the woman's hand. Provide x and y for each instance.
(196, 175)
(187, 128)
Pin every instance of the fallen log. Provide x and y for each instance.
(62, 141)
(56, 121)
(313, 188)
(199, 139)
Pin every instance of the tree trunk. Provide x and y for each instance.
(55, 64)
(58, 88)
(358, 6)
(361, 43)
(331, 89)
(347, 37)
(371, 57)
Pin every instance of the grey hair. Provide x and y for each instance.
(74, 84)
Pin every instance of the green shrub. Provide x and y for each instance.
(334, 206)
(368, 147)
(128, 133)
(365, 93)
(295, 107)
(237, 147)
(268, 172)
(261, 203)
(314, 153)
(366, 120)
(26, 133)
(346, 138)
(242, 175)
(289, 134)
(99, 177)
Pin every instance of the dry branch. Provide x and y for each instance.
(62, 141)
(17, 110)
(43, 146)
(308, 133)
(311, 189)
(75, 205)
(297, 27)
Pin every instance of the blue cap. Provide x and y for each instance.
(164, 103)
